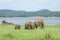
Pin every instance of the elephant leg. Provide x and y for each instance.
(15, 28)
(30, 27)
(18, 27)
(26, 27)
(35, 25)
(42, 26)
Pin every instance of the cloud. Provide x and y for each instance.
(30, 5)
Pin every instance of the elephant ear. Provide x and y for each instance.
(36, 22)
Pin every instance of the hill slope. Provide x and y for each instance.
(43, 13)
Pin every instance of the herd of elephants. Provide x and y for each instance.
(28, 24)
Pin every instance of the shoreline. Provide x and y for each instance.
(30, 17)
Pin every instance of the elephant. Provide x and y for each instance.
(39, 23)
(29, 25)
(17, 26)
(4, 22)
(10, 23)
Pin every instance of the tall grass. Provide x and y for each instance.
(50, 32)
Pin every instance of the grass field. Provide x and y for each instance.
(7, 32)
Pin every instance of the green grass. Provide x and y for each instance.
(7, 32)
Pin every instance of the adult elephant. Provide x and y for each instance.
(17, 26)
(4, 22)
(39, 23)
(29, 25)
(10, 23)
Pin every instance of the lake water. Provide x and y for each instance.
(22, 20)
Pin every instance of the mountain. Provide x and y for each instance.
(43, 13)
(6, 10)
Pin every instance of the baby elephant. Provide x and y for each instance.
(17, 26)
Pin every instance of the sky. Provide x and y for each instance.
(30, 5)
